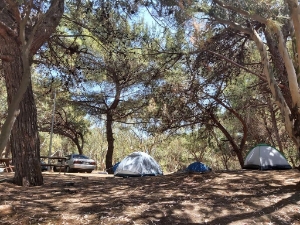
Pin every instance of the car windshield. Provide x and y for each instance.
(80, 157)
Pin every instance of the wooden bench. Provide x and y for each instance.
(53, 165)
(5, 163)
(62, 161)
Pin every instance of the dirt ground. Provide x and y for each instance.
(235, 197)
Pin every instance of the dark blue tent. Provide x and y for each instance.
(115, 166)
(198, 167)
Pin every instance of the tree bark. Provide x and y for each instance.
(24, 138)
(20, 38)
(26, 144)
(275, 127)
(110, 143)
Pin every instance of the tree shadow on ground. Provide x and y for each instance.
(236, 197)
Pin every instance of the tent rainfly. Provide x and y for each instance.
(265, 157)
(198, 167)
(115, 166)
(138, 164)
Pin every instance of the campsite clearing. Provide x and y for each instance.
(235, 197)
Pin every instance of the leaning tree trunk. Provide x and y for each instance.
(110, 143)
(24, 135)
(238, 150)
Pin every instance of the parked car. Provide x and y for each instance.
(43, 167)
(79, 163)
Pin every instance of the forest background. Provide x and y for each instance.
(202, 81)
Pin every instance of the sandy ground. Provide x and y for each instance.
(234, 197)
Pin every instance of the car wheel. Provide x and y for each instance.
(54, 169)
(89, 171)
(69, 170)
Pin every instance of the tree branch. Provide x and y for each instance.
(6, 58)
(5, 31)
(14, 8)
(294, 12)
(47, 24)
(22, 26)
(292, 77)
(241, 12)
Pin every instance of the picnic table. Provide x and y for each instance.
(5, 162)
(51, 161)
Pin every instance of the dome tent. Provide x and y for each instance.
(265, 157)
(198, 167)
(138, 164)
(115, 166)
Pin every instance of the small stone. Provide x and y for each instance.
(6, 210)
(69, 184)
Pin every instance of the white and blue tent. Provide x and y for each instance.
(115, 166)
(265, 157)
(138, 164)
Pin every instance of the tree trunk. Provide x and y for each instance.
(76, 140)
(7, 150)
(275, 127)
(240, 157)
(110, 143)
(25, 144)
(79, 147)
(235, 148)
(21, 37)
